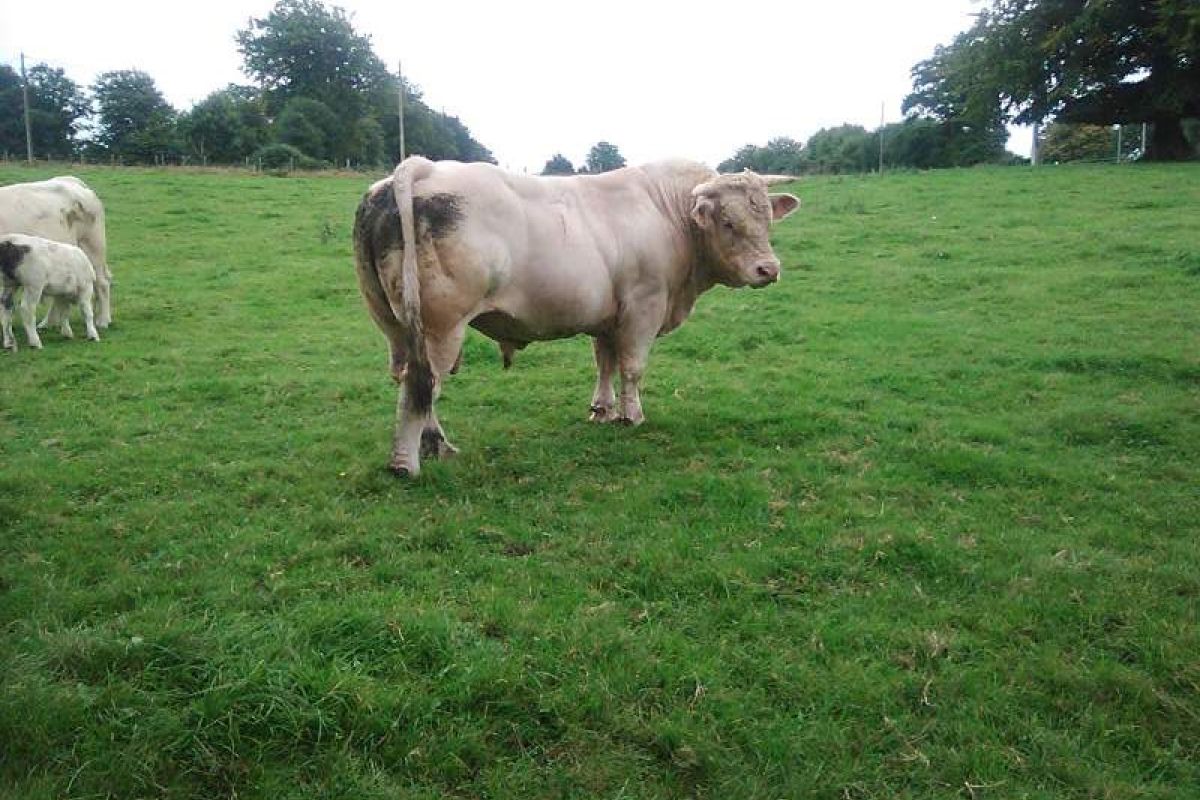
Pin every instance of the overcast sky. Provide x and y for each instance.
(658, 78)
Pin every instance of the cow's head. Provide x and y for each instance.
(734, 214)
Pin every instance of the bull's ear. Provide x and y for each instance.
(782, 205)
(702, 211)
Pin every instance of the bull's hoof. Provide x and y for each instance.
(601, 414)
(403, 470)
(404, 466)
(631, 422)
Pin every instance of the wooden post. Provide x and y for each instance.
(882, 106)
(400, 75)
(25, 101)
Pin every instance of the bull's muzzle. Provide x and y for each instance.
(766, 272)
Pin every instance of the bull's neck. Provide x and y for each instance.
(697, 277)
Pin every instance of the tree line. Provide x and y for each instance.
(320, 96)
(1077, 69)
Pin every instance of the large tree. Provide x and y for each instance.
(954, 89)
(56, 107)
(225, 127)
(604, 157)
(558, 165)
(134, 121)
(306, 50)
(1092, 61)
(782, 156)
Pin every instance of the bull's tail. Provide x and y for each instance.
(418, 379)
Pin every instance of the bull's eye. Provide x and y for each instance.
(729, 226)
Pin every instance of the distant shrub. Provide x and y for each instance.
(284, 156)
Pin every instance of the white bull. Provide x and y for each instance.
(620, 256)
(64, 210)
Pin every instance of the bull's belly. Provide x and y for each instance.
(547, 309)
(505, 327)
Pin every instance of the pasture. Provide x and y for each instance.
(918, 522)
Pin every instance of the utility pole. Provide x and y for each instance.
(1034, 156)
(1119, 127)
(25, 101)
(400, 75)
(882, 106)
(1143, 140)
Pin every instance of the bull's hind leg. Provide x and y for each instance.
(444, 353)
(604, 399)
(418, 432)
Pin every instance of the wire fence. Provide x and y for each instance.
(179, 161)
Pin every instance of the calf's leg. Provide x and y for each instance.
(59, 314)
(6, 308)
(29, 303)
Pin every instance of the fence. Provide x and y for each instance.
(179, 161)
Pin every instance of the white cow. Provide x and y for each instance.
(64, 210)
(620, 256)
(39, 267)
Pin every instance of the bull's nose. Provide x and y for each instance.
(767, 272)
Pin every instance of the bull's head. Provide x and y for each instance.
(734, 214)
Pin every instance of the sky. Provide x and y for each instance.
(657, 78)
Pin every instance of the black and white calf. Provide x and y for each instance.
(39, 267)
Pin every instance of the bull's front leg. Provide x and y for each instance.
(635, 334)
(604, 399)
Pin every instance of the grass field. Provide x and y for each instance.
(919, 522)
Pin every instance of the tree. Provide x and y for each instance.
(56, 107)
(367, 142)
(558, 165)
(780, 156)
(1092, 62)
(310, 126)
(953, 88)
(604, 157)
(304, 50)
(134, 120)
(846, 148)
(227, 126)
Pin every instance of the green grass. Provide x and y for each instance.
(919, 522)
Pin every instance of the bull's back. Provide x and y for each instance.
(551, 251)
